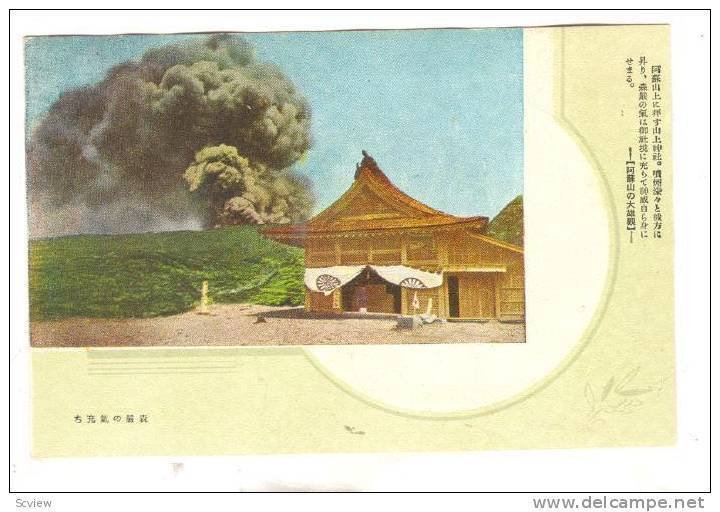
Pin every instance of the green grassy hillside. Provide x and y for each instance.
(508, 224)
(155, 274)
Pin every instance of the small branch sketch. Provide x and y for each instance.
(619, 395)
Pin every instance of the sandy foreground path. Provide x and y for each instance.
(243, 325)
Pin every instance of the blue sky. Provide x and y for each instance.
(440, 110)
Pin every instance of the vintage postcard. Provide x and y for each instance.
(350, 241)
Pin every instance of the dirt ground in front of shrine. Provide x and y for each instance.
(251, 325)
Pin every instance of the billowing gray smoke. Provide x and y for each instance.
(111, 157)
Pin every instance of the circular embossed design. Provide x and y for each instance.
(327, 283)
(473, 379)
(412, 282)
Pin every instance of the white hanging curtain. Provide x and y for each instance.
(408, 277)
(328, 279)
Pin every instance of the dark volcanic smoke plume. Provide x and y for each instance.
(110, 158)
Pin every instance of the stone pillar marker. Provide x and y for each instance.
(203, 308)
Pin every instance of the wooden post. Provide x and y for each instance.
(442, 299)
(338, 254)
(443, 262)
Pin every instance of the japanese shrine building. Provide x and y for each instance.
(380, 250)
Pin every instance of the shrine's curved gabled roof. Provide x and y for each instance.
(373, 202)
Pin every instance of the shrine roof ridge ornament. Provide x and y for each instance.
(367, 162)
